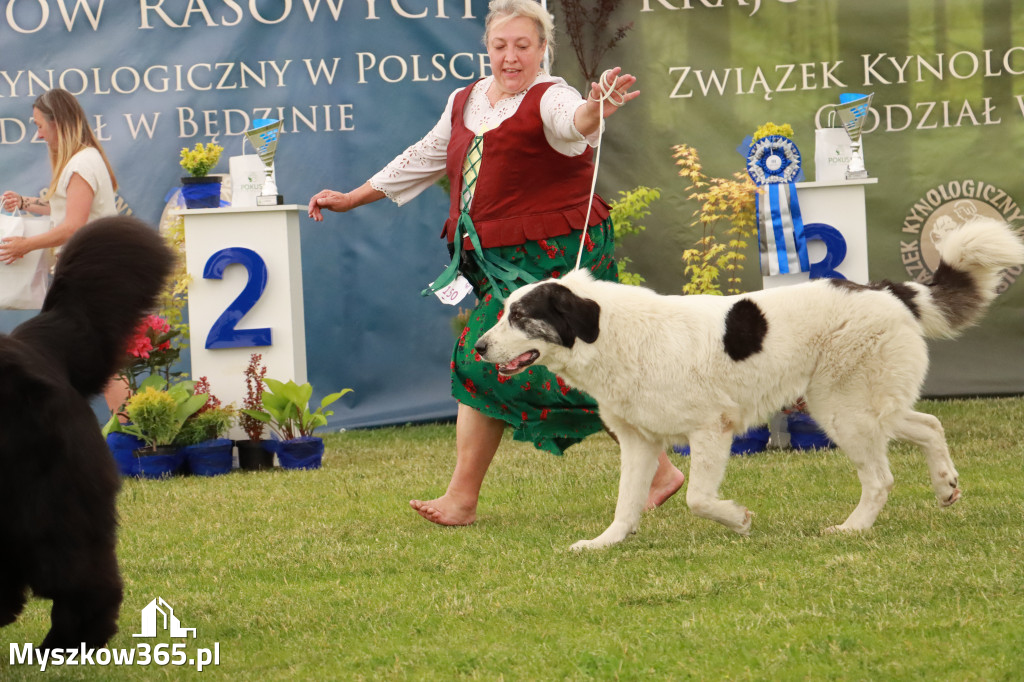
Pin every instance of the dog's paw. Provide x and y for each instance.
(951, 500)
(744, 527)
(842, 528)
(584, 544)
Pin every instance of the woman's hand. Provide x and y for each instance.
(619, 88)
(12, 248)
(11, 201)
(331, 200)
(588, 116)
(340, 201)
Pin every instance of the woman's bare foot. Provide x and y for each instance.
(445, 511)
(667, 482)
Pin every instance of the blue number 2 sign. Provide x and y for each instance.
(223, 333)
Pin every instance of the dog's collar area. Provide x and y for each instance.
(518, 364)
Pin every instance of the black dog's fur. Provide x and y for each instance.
(58, 481)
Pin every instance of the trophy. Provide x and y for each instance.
(264, 139)
(853, 110)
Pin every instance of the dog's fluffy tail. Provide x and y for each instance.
(972, 260)
(108, 275)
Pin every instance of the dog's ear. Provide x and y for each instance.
(577, 318)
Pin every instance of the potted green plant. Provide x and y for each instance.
(253, 455)
(156, 415)
(198, 188)
(201, 437)
(286, 410)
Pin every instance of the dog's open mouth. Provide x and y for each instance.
(517, 365)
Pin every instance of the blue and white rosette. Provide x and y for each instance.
(773, 163)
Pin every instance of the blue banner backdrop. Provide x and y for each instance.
(357, 81)
(354, 83)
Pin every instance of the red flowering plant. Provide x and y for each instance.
(255, 372)
(152, 350)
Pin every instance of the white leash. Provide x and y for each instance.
(607, 93)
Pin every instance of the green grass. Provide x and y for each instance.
(329, 574)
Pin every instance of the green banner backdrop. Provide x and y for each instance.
(945, 137)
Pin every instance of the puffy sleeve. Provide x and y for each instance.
(558, 109)
(420, 165)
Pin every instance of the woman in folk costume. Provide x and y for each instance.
(516, 149)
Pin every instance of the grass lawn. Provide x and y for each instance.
(329, 575)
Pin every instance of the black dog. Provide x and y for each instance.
(58, 481)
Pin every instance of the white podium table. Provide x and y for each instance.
(840, 205)
(245, 296)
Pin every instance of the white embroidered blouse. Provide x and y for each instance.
(423, 163)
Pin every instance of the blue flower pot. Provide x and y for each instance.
(754, 440)
(210, 458)
(122, 447)
(201, 192)
(165, 462)
(301, 453)
(805, 434)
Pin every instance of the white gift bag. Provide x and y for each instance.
(831, 154)
(23, 283)
(247, 178)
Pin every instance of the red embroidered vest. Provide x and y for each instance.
(526, 190)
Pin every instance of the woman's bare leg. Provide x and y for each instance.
(476, 440)
(668, 479)
(116, 393)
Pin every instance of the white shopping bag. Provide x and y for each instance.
(247, 178)
(831, 154)
(23, 283)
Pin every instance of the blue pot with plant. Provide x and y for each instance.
(285, 408)
(156, 415)
(202, 436)
(198, 189)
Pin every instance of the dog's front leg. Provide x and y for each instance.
(709, 455)
(639, 462)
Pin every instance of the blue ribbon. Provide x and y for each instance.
(773, 163)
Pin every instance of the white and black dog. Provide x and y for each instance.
(697, 369)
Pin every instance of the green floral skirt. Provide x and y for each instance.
(538, 404)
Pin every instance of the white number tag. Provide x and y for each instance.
(454, 292)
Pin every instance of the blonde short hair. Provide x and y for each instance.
(500, 11)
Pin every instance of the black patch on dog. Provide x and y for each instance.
(58, 482)
(956, 295)
(745, 329)
(904, 292)
(554, 313)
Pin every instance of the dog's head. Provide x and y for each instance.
(540, 324)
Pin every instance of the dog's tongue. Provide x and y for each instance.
(514, 363)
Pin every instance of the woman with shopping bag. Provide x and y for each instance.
(81, 190)
(83, 183)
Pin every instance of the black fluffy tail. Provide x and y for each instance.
(108, 276)
(973, 257)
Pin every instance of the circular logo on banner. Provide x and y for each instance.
(773, 159)
(943, 209)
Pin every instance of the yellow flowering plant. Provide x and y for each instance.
(720, 199)
(199, 160)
